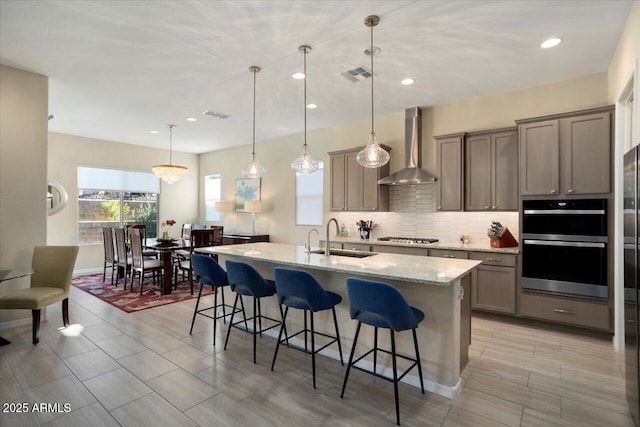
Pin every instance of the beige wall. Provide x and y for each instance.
(23, 172)
(178, 201)
(627, 52)
(278, 186)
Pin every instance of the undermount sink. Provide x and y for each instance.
(342, 252)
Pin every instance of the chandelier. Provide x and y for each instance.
(305, 163)
(170, 173)
(255, 169)
(372, 156)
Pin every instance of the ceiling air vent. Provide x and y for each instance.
(357, 74)
(216, 115)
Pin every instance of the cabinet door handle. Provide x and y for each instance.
(553, 192)
(486, 208)
(449, 256)
(559, 310)
(493, 207)
(569, 191)
(439, 207)
(494, 259)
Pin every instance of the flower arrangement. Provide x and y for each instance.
(166, 223)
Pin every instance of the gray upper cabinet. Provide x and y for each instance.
(450, 171)
(491, 170)
(354, 187)
(566, 154)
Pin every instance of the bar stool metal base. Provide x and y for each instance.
(257, 321)
(305, 331)
(396, 379)
(216, 316)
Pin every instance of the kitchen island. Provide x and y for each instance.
(436, 286)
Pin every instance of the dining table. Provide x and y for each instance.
(10, 273)
(165, 247)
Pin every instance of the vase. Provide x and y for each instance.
(165, 234)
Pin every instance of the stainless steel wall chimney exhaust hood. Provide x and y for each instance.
(412, 173)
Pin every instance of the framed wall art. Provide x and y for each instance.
(246, 189)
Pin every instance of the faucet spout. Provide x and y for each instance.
(309, 239)
(327, 250)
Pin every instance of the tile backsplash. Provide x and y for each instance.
(412, 213)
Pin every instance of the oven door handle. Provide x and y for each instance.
(564, 212)
(564, 243)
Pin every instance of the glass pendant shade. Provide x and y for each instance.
(170, 173)
(305, 163)
(255, 169)
(372, 156)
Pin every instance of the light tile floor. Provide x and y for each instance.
(144, 369)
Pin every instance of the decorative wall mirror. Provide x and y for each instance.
(57, 197)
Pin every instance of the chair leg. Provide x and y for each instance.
(224, 312)
(306, 348)
(235, 304)
(244, 315)
(140, 281)
(35, 332)
(104, 272)
(259, 315)
(215, 307)
(275, 354)
(375, 349)
(335, 322)
(353, 351)
(65, 312)
(191, 280)
(196, 311)
(395, 375)
(313, 350)
(415, 343)
(255, 301)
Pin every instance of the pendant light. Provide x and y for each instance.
(372, 156)
(305, 163)
(170, 173)
(255, 169)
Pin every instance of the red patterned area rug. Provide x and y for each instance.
(132, 301)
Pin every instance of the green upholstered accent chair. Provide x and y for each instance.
(50, 283)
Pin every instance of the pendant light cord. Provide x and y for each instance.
(305, 100)
(253, 152)
(371, 53)
(170, 144)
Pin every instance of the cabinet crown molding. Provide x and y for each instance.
(605, 109)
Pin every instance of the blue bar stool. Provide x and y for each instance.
(209, 273)
(300, 290)
(246, 281)
(381, 305)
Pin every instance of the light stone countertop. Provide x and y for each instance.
(416, 269)
(480, 247)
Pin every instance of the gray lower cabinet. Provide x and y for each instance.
(354, 187)
(493, 283)
(588, 314)
(566, 154)
(450, 172)
(491, 170)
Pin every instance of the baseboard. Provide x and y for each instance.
(15, 323)
(85, 271)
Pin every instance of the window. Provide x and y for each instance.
(212, 194)
(309, 188)
(115, 198)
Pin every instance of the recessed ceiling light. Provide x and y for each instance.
(192, 119)
(408, 82)
(551, 42)
(298, 76)
(155, 132)
(312, 106)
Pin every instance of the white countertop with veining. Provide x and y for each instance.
(480, 247)
(409, 268)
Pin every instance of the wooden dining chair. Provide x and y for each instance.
(110, 259)
(199, 239)
(123, 260)
(50, 283)
(143, 234)
(140, 264)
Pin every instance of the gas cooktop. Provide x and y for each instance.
(421, 240)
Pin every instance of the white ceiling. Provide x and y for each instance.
(119, 69)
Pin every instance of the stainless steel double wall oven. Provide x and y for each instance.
(565, 247)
